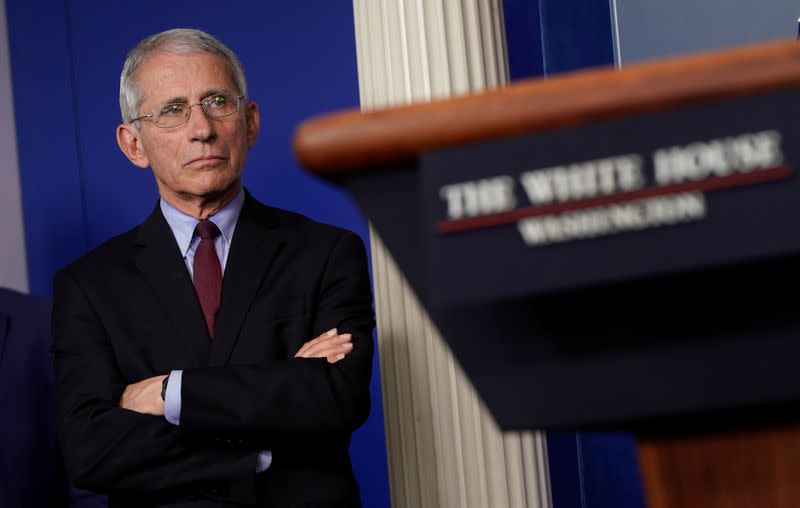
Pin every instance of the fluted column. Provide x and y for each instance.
(444, 448)
(13, 267)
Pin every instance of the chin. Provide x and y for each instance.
(216, 187)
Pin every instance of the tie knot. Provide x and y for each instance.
(206, 229)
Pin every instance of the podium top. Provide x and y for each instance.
(351, 141)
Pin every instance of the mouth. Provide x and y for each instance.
(206, 160)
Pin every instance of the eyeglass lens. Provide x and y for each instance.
(215, 106)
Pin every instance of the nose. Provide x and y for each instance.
(199, 125)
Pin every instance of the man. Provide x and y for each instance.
(31, 467)
(219, 354)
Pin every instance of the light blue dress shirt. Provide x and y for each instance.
(182, 227)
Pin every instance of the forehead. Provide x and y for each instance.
(166, 76)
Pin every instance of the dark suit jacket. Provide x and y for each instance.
(31, 467)
(127, 311)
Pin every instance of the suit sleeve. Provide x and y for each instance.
(107, 448)
(297, 395)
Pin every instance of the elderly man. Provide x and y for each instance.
(219, 354)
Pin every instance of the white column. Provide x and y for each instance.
(13, 265)
(444, 448)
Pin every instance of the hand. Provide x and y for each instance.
(144, 396)
(329, 345)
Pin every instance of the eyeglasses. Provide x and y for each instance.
(175, 114)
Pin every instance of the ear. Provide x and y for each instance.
(253, 119)
(130, 142)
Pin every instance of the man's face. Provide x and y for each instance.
(203, 158)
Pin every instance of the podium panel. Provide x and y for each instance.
(607, 250)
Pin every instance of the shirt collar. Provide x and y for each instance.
(183, 225)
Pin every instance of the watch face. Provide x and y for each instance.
(164, 388)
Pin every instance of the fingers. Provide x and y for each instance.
(327, 335)
(124, 401)
(330, 346)
(335, 352)
(130, 395)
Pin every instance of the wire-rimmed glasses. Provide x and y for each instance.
(175, 114)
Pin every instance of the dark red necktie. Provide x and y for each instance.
(207, 272)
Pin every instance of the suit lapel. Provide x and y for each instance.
(159, 260)
(253, 248)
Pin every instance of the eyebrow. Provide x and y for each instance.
(176, 100)
(184, 100)
(214, 91)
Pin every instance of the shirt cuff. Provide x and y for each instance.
(264, 460)
(172, 398)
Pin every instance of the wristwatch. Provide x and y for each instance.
(164, 388)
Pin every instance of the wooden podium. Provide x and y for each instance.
(609, 249)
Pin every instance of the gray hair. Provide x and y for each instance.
(180, 41)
